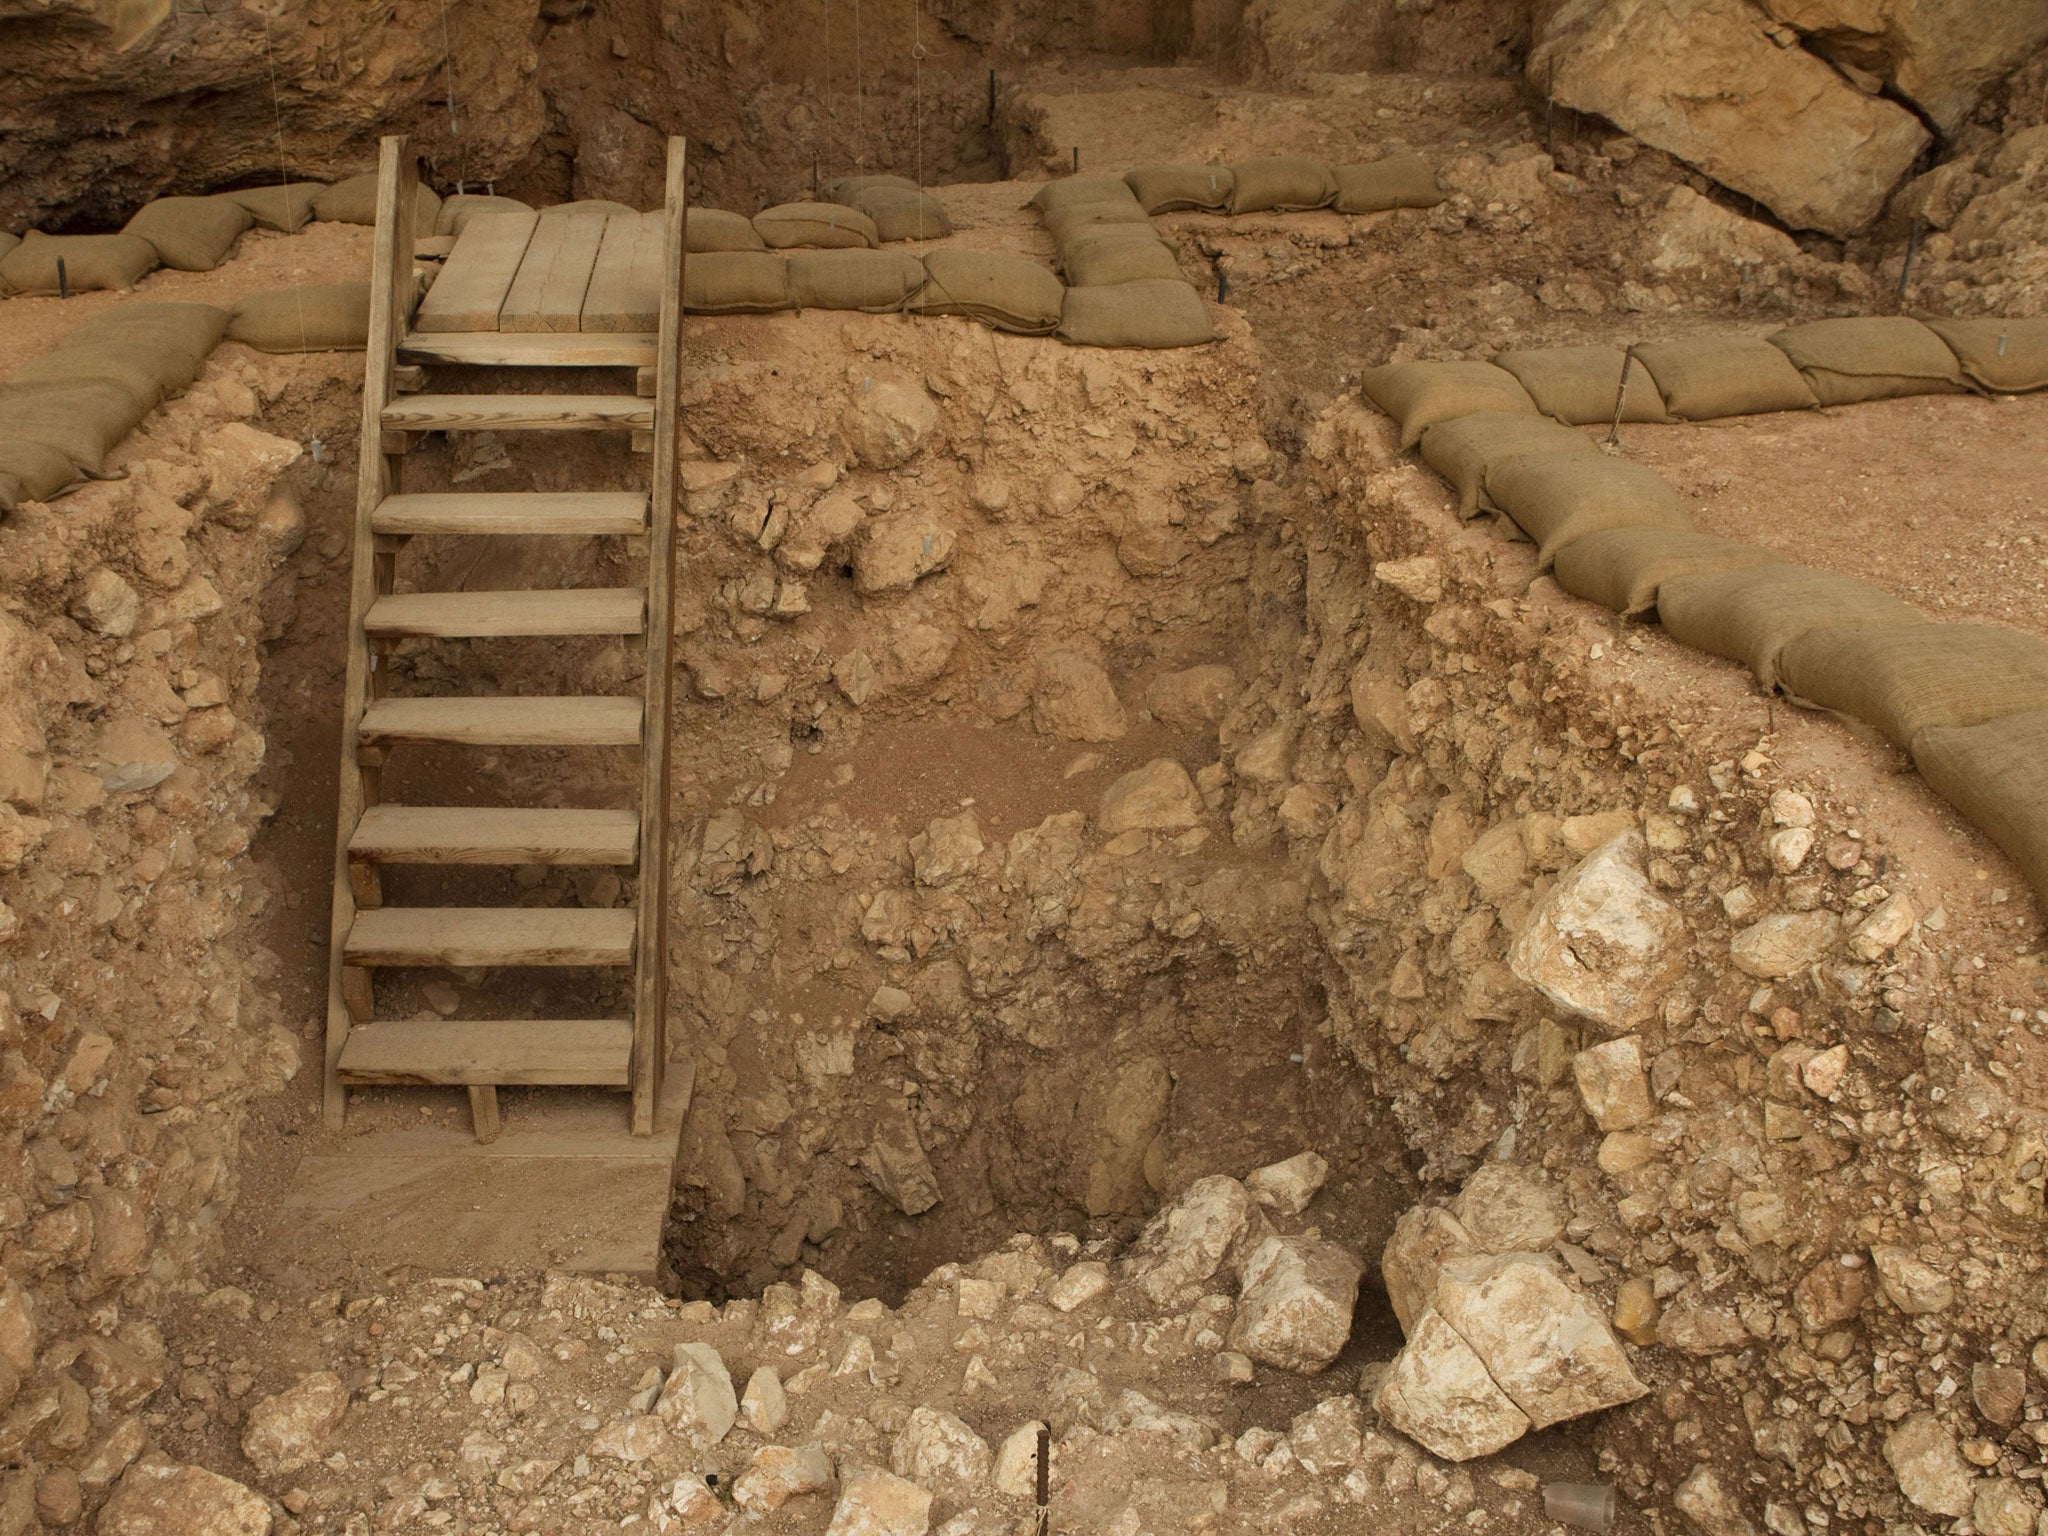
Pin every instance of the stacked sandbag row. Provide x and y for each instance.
(61, 414)
(1287, 184)
(1010, 293)
(1968, 702)
(1124, 283)
(897, 206)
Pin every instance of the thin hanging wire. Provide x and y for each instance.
(454, 122)
(284, 178)
(917, 65)
(860, 96)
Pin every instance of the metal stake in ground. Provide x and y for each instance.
(1044, 1479)
(1628, 358)
(63, 281)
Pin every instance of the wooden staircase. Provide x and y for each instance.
(368, 935)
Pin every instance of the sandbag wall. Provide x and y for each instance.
(1968, 702)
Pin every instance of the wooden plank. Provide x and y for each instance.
(492, 936)
(483, 1112)
(586, 514)
(552, 721)
(625, 288)
(436, 834)
(481, 615)
(547, 294)
(650, 970)
(536, 1052)
(479, 271)
(534, 349)
(519, 413)
(376, 479)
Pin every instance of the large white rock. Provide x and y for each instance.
(1159, 797)
(1295, 1309)
(1016, 1464)
(1938, 54)
(1931, 1471)
(1602, 943)
(778, 1474)
(874, 1503)
(158, 1497)
(1185, 1244)
(1704, 82)
(284, 1432)
(1423, 1239)
(1546, 1345)
(939, 1450)
(1287, 1187)
(1777, 946)
(1439, 1395)
(1510, 1208)
(1705, 1500)
(1913, 1287)
(1613, 1085)
(697, 1401)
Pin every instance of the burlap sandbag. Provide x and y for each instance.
(1179, 188)
(714, 229)
(1419, 395)
(459, 211)
(354, 201)
(1148, 314)
(1011, 293)
(736, 283)
(1920, 677)
(1996, 774)
(1556, 498)
(118, 362)
(191, 234)
(1624, 569)
(1067, 223)
(90, 262)
(1120, 254)
(82, 421)
(1577, 384)
(7, 243)
(315, 317)
(1872, 357)
(1751, 615)
(1280, 184)
(826, 226)
(904, 213)
(31, 471)
(2010, 356)
(1072, 191)
(874, 282)
(1399, 181)
(1714, 376)
(287, 207)
(844, 189)
(1464, 448)
(175, 339)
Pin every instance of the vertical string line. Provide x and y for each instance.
(454, 123)
(284, 178)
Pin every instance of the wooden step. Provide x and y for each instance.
(519, 413)
(491, 936)
(584, 720)
(512, 349)
(433, 834)
(481, 615)
(592, 514)
(550, 1052)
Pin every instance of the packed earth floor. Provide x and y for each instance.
(1117, 801)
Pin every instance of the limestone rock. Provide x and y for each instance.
(1941, 55)
(1705, 1500)
(778, 1474)
(895, 1162)
(1295, 1309)
(1159, 797)
(1705, 84)
(1883, 930)
(1696, 1327)
(133, 755)
(1696, 237)
(158, 1497)
(1999, 1391)
(1288, 1186)
(286, 1431)
(1510, 1208)
(1073, 698)
(1602, 943)
(107, 604)
(873, 1503)
(936, 1449)
(765, 1406)
(1424, 1238)
(1194, 699)
(1329, 1437)
(697, 1400)
(1186, 1243)
(1545, 1344)
(1613, 1085)
(1931, 1471)
(1913, 1287)
(1777, 946)
(1419, 579)
(1080, 1285)
(1439, 1395)
(1121, 1116)
(693, 1503)
(946, 849)
(1016, 1464)
(2002, 1507)
(636, 1438)
(890, 417)
(897, 552)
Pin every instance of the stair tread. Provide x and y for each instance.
(557, 720)
(519, 413)
(434, 834)
(513, 349)
(491, 936)
(589, 513)
(541, 1052)
(471, 615)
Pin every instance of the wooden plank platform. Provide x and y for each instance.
(440, 834)
(503, 1052)
(588, 514)
(519, 413)
(477, 274)
(576, 720)
(547, 294)
(625, 287)
(483, 615)
(532, 349)
(491, 936)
